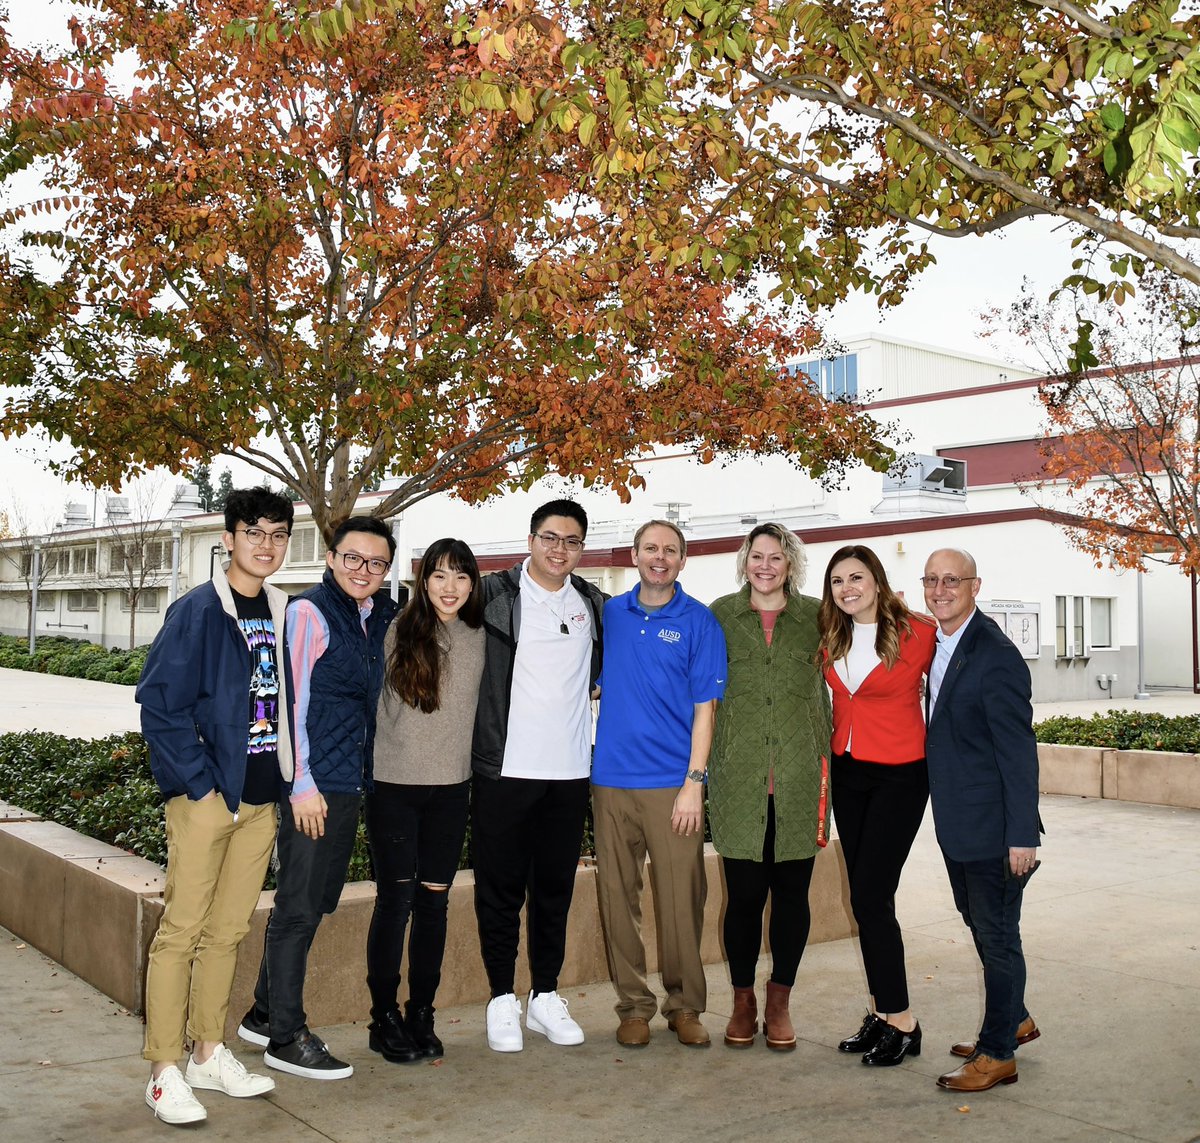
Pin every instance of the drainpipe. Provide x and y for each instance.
(1141, 692)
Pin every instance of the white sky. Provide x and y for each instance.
(942, 307)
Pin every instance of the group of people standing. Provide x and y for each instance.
(473, 703)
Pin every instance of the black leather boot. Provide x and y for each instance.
(391, 1040)
(419, 1021)
(866, 1037)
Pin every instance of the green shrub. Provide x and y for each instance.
(1124, 730)
(73, 658)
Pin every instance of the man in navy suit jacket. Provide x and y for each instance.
(983, 785)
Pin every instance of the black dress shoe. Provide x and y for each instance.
(306, 1056)
(893, 1046)
(418, 1021)
(866, 1037)
(390, 1039)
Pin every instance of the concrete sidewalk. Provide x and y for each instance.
(1112, 933)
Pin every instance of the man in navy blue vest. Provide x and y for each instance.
(335, 646)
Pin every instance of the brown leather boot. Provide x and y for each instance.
(777, 1023)
(743, 1022)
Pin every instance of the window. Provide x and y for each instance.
(83, 601)
(147, 600)
(1102, 622)
(54, 562)
(83, 560)
(158, 555)
(26, 565)
(1082, 624)
(832, 377)
(47, 600)
(303, 548)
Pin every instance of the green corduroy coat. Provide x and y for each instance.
(775, 712)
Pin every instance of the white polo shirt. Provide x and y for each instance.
(549, 713)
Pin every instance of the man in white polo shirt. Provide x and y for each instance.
(532, 759)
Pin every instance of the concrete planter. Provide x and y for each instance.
(95, 909)
(1155, 776)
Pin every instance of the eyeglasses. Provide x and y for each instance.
(549, 541)
(257, 537)
(950, 582)
(352, 561)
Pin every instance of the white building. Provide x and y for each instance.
(970, 425)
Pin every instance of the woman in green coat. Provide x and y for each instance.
(768, 774)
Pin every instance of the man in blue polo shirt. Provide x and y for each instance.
(664, 670)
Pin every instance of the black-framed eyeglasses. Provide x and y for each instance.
(947, 581)
(352, 561)
(551, 540)
(257, 537)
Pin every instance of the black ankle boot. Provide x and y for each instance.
(893, 1046)
(419, 1020)
(866, 1037)
(391, 1040)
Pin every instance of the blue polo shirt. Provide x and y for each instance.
(656, 669)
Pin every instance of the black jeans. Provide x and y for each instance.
(416, 836)
(990, 903)
(309, 885)
(878, 810)
(525, 838)
(747, 886)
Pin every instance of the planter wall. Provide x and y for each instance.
(94, 909)
(1154, 776)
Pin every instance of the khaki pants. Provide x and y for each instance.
(630, 824)
(215, 870)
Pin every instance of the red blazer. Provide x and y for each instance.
(886, 713)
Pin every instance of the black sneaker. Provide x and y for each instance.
(306, 1056)
(255, 1028)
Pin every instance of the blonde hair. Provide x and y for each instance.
(793, 550)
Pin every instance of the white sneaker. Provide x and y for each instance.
(548, 1014)
(504, 1024)
(223, 1071)
(171, 1100)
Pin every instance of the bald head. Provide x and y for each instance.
(951, 584)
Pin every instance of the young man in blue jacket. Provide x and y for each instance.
(335, 647)
(213, 698)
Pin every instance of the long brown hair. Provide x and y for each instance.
(414, 670)
(891, 612)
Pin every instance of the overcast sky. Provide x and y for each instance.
(942, 307)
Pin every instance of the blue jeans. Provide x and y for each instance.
(990, 903)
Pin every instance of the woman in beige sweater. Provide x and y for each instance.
(417, 812)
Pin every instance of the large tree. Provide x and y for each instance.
(841, 134)
(1121, 453)
(330, 241)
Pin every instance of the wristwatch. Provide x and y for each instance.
(697, 775)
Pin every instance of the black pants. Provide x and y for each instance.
(878, 810)
(416, 837)
(525, 838)
(747, 886)
(312, 872)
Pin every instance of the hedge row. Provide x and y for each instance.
(1124, 730)
(75, 658)
(103, 788)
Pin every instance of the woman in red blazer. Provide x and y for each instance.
(875, 652)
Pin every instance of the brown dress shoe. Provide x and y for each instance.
(979, 1073)
(686, 1025)
(634, 1032)
(1027, 1030)
(743, 1021)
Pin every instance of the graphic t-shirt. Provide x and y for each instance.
(262, 741)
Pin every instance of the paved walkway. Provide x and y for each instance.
(1112, 933)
